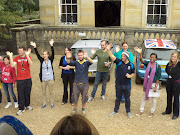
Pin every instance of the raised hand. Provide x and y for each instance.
(139, 50)
(10, 54)
(33, 44)
(109, 46)
(69, 55)
(85, 54)
(1, 57)
(93, 51)
(117, 48)
(51, 42)
(28, 52)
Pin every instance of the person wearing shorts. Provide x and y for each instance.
(81, 85)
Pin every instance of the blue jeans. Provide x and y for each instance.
(99, 76)
(122, 89)
(10, 86)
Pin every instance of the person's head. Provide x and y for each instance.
(46, 55)
(125, 46)
(103, 44)
(74, 125)
(153, 57)
(21, 51)
(174, 58)
(80, 55)
(66, 50)
(125, 56)
(6, 60)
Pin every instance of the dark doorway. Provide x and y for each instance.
(107, 13)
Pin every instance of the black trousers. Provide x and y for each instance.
(24, 92)
(68, 78)
(173, 90)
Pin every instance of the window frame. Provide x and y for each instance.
(60, 12)
(160, 14)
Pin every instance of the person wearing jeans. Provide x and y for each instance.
(0, 94)
(103, 64)
(118, 54)
(8, 76)
(99, 76)
(124, 73)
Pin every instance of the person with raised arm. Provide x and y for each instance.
(102, 73)
(124, 73)
(151, 80)
(81, 84)
(118, 53)
(46, 74)
(8, 77)
(24, 82)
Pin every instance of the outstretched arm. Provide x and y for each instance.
(86, 56)
(139, 50)
(28, 57)
(10, 54)
(51, 42)
(36, 51)
(110, 53)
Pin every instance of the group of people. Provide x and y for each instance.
(78, 79)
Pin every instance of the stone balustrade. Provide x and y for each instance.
(66, 36)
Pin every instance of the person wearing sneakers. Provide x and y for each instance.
(24, 82)
(151, 80)
(81, 84)
(124, 73)
(118, 54)
(8, 77)
(102, 69)
(46, 72)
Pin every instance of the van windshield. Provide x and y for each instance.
(75, 50)
(162, 54)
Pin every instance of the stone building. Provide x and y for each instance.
(130, 13)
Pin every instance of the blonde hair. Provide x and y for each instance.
(170, 61)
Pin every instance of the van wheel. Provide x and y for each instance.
(108, 78)
(138, 79)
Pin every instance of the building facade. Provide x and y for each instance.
(127, 13)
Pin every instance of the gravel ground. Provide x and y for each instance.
(41, 122)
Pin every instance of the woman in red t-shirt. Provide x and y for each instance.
(8, 77)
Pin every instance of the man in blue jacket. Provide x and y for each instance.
(118, 54)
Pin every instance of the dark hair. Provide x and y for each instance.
(69, 49)
(80, 51)
(6, 57)
(124, 43)
(154, 55)
(22, 47)
(74, 125)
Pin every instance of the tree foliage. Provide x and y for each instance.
(13, 11)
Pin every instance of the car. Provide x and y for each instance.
(87, 45)
(163, 48)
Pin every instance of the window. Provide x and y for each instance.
(157, 12)
(68, 12)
